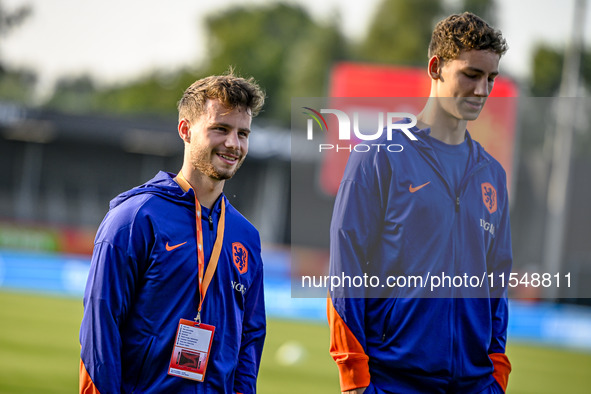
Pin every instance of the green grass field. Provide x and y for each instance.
(39, 353)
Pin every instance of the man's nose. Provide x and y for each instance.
(232, 140)
(483, 87)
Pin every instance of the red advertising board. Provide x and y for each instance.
(405, 89)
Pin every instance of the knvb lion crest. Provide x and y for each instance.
(489, 197)
(240, 257)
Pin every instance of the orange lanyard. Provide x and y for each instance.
(205, 280)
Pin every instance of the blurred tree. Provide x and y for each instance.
(400, 32)
(547, 70)
(309, 61)
(15, 85)
(155, 93)
(280, 46)
(10, 20)
(72, 94)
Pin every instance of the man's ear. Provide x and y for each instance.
(435, 64)
(184, 129)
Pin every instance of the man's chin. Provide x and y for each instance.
(471, 115)
(224, 174)
(222, 177)
(471, 112)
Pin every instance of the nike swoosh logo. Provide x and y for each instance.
(414, 189)
(169, 248)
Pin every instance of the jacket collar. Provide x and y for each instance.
(477, 152)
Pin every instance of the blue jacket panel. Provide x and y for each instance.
(396, 216)
(139, 287)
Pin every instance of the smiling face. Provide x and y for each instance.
(464, 83)
(218, 141)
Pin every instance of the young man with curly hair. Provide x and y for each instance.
(173, 250)
(419, 212)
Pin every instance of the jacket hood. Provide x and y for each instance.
(163, 185)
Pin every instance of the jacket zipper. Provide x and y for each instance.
(479, 166)
(434, 162)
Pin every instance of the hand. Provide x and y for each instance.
(356, 391)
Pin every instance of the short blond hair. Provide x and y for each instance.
(231, 90)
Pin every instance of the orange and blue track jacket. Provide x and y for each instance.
(396, 216)
(144, 278)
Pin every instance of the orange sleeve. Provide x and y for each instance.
(347, 352)
(502, 369)
(86, 386)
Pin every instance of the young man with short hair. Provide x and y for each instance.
(175, 248)
(417, 212)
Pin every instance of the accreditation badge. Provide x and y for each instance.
(191, 350)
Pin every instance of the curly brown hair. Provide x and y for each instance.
(464, 32)
(231, 90)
